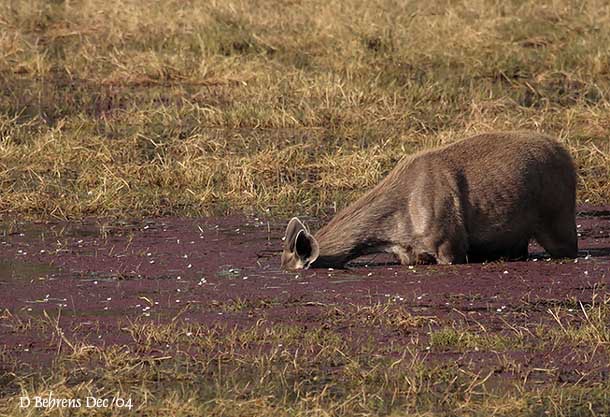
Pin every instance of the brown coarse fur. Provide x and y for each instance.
(481, 198)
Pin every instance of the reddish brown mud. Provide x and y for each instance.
(93, 275)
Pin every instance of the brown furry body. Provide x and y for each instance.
(481, 198)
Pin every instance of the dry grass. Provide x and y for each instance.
(131, 108)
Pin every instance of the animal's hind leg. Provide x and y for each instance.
(557, 235)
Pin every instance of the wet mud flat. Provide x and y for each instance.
(92, 283)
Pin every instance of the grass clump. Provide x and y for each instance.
(460, 340)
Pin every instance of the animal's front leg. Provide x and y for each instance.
(409, 256)
(405, 255)
(444, 248)
(451, 252)
(424, 258)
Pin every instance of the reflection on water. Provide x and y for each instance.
(16, 270)
(348, 278)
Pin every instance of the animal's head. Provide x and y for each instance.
(300, 247)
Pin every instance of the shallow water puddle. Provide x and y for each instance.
(348, 278)
(226, 271)
(11, 270)
(97, 277)
(186, 260)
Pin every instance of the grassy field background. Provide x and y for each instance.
(144, 108)
(136, 108)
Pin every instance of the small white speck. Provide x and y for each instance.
(189, 266)
(505, 272)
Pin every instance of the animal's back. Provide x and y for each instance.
(510, 186)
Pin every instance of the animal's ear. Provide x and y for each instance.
(306, 247)
(293, 228)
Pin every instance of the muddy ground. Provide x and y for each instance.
(95, 275)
